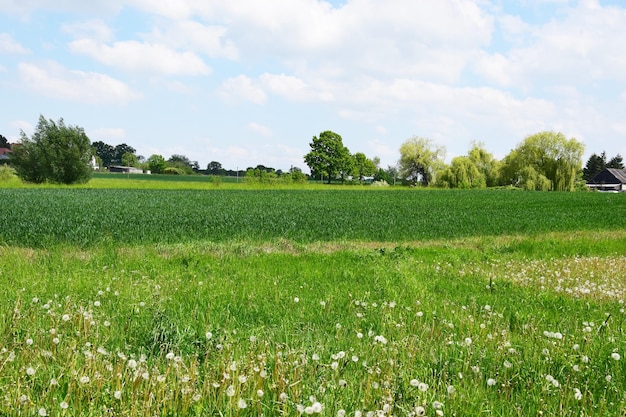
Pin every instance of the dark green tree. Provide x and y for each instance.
(616, 162)
(328, 156)
(215, 168)
(55, 153)
(595, 164)
(4, 143)
(105, 152)
(119, 152)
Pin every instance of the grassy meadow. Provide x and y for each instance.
(135, 301)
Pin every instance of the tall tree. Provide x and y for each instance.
(120, 150)
(595, 164)
(420, 159)
(549, 154)
(616, 162)
(105, 152)
(215, 168)
(56, 153)
(4, 143)
(156, 164)
(486, 164)
(363, 166)
(328, 156)
(462, 173)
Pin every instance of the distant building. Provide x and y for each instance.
(611, 179)
(126, 170)
(5, 155)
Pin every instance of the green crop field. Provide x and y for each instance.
(277, 302)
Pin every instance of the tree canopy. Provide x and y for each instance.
(328, 156)
(55, 153)
(420, 159)
(551, 156)
(4, 142)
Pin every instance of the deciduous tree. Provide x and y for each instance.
(420, 159)
(328, 156)
(549, 154)
(363, 166)
(157, 164)
(55, 153)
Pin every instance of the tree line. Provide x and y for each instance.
(61, 153)
(542, 161)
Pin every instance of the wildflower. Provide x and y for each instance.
(437, 405)
(341, 413)
(420, 411)
(414, 382)
(117, 395)
(577, 394)
(608, 378)
(315, 357)
(317, 407)
(132, 364)
(334, 365)
(422, 387)
(615, 356)
(29, 341)
(84, 380)
(296, 300)
(64, 405)
(42, 412)
(359, 335)
(283, 396)
(508, 364)
(208, 335)
(491, 382)
(468, 341)
(54, 382)
(242, 403)
(252, 339)
(169, 356)
(56, 340)
(96, 303)
(355, 358)
(451, 389)
(259, 393)
(30, 371)
(230, 391)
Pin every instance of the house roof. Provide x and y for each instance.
(610, 176)
(5, 150)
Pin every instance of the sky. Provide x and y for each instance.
(249, 82)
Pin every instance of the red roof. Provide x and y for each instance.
(5, 150)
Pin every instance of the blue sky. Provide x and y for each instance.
(250, 82)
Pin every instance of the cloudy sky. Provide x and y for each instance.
(248, 82)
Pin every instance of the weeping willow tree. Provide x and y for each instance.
(545, 160)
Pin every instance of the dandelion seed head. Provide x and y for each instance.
(615, 356)
(242, 403)
(30, 371)
(117, 395)
(491, 382)
(64, 405)
(42, 412)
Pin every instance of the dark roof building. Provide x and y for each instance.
(611, 179)
(4, 154)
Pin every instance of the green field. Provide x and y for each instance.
(355, 302)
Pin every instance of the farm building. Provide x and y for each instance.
(126, 170)
(5, 155)
(611, 179)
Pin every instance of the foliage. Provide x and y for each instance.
(597, 163)
(4, 142)
(215, 168)
(462, 173)
(41, 217)
(157, 164)
(420, 159)
(487, 165)
(56, 153)
(328, 156)
(363, 166)
(130, 160)
(544, 156)
(182, 164)
(6, 173)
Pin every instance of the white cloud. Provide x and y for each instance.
(21, 125)
(107, 134)
(142, 57)
(9, 46)
(260, 129)
(293, 88)
(93, 29)
(191, 35)
(586, 44)
(57, 82)
(242, 88)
